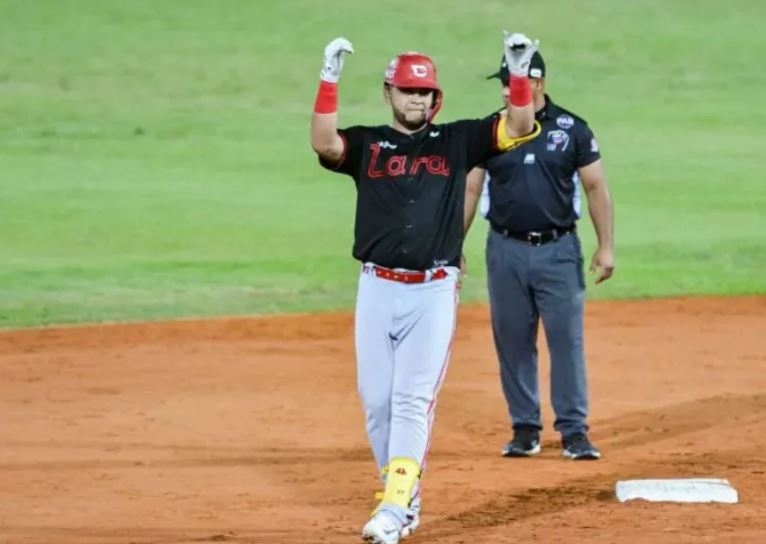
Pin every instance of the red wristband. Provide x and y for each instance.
(327, 98)
(521, 92)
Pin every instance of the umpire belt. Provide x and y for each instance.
(535, 237)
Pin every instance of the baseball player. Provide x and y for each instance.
(410, 181)
(535, 264)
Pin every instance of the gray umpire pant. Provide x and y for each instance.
(527, 283)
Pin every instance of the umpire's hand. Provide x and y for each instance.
(602, 264)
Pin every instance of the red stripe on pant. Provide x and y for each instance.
(432, 406)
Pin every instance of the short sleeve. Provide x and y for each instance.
(586, 146)
(353, 146)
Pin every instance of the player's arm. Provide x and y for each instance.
(324, 122)
(473, 188)
(521, 112)
(602, 215)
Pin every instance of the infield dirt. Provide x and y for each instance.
(250, 430)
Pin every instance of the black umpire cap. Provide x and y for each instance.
(536, 68)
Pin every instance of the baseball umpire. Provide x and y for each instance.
(535, 265)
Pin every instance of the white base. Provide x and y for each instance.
(679, 490)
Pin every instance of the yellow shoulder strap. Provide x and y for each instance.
(506, 143)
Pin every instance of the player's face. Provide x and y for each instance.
(410, 106)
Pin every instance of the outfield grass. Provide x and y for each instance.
(155, 158)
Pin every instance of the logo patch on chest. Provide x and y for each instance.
(565, 121)
(557, 139)
(529, 158)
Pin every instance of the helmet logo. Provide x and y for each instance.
(419, 70)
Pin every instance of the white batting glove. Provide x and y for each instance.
(518, 53)
(333, 59)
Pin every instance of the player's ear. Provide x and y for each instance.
(387, 93)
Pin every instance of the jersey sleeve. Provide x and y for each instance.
(586, 146)
(353, 146)
(476, 138)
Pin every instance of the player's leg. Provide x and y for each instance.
(514, 327)
(424, 328)
(424, 331)
(375, 359)
(561, 298)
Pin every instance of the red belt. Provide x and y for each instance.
(406, 277)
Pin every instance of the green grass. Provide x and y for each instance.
(154, 156)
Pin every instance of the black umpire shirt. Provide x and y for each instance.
(411, 189)
(534, 186)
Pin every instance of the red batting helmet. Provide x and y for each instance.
(415, 71)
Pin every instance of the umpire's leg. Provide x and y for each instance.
(560, 288)
(514, 326)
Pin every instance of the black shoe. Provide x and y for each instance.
(578, 447)
(525, 443)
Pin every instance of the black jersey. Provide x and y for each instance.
(535, 186)
(411, 189)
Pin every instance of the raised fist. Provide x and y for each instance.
(333, 59)
(518, 53)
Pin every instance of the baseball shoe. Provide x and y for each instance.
(413, 518)
(525, 443)
(578, 447)
(383, 528)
